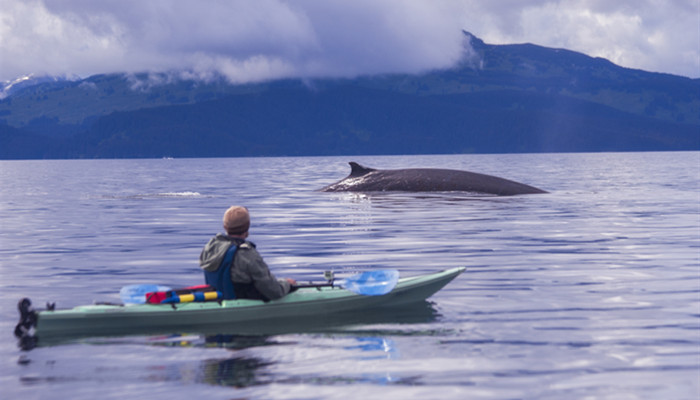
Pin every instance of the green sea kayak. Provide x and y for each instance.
(242, 316)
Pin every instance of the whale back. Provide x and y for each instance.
(364, 179)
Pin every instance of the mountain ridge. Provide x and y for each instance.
(500, 98)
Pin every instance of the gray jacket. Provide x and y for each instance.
(248, 265)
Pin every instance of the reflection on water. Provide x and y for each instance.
(241, 370)
(235, 372)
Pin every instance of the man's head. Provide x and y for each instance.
(237, 221)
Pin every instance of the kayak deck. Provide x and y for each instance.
(242, 316)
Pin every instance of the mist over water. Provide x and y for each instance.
(589, 291)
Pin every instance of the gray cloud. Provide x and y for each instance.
(263, 39)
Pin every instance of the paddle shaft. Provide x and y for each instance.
(315, 285)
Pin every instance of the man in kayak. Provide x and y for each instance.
(234, 267)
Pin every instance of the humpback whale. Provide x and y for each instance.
(363, 179)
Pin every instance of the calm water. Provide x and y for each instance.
(590, 291)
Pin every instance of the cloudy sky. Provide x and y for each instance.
(253, 40)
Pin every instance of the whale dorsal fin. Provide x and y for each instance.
(359, 170)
